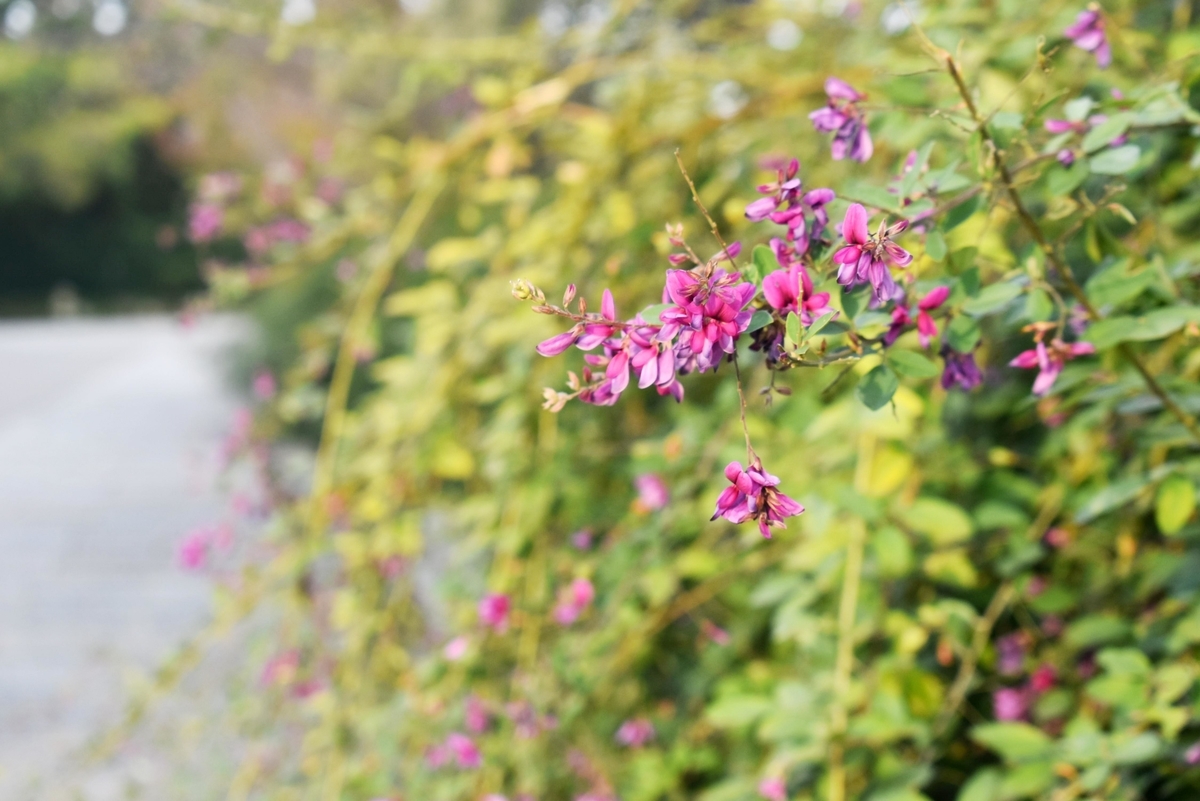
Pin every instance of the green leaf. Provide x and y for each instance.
(1008, 121)
(819, 323)
(1093, 630)
(1153, 325)
(762, 262)
(1016, 742)
(792, 327)
(993, 297)
(1077, 109)
(877, 387)
(959, 214)
(911, 364)
(1117, 161)
(1107, 131)
(1136, 750)
(1038, 306)
(935, 245)
(761, 319)
(852, 300)
(942, 522)
(1175, 503)
(984, 785)
(871, 195)
(963, 333)
(1116, 285)
(1111, 497)
(738, 710)
(910, 179)
(1065, 180)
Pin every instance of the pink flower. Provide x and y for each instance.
(845, 120)
(791, 290)
(264, 385)
(926, 327)
(465, 752)
(798, 208)
(217, 187)
(280, 669)
(1192, 754)
(204, 222)
(708, 315)
(1049, 360)
(493, 612)
(582, 539)
(1010, 651)
(1009, 704)
(753, 494)
(773, 788)
(1088, 34)
(573, 601)
(588, 335)
(714, 632)
(456, 649)
(864, 258)
(960, 370)
(635, 733)
(193, 549)
(652, 491)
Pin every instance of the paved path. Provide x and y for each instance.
(108, 437)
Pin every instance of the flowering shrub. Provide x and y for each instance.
(984, 590)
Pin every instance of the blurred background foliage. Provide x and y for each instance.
(427, 155)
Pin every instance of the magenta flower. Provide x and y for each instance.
(864, 258)
(288, 230)
(1192, 754)
(798, 208)
(960, 371)
(1043, 679)
(465, 752)
(573, 601)
(193, 549)
(493, 612)
(651, 359)
(635, 733)
(792, 290)
(1049, 360)
(1065, 157)
(264, 385)
(652, 491)
(204, 222)
(714, 632)
(753, 494)
(926, 327)
(709, 313)
(1010, 654)
(217, 187)
(845, 120)
(582, 539)
(586, 335)
(1009, 704)
(1088, 34)
(773, 788)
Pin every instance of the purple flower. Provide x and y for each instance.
(1049, 359)
(1010, 654)
(1192, 754)
(926, 327)
(1066, 157)
(1009, 704)
(799, 207)
(264, 385)
(476, 715)
(652, 491)
(961, 370)
(845, 120)
(753, 494)
(582, 539)
(1088, 34)
(1043, 679)
(573, 601)
(493, 612)
(635, 733)
(193, 549)
(204, 222)
(791, 290)
(864, 259)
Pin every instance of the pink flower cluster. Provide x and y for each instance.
(865, 258)
(457, 746)
(1049, 358)
(573, 601)
(843, 117)
(753, 496)
(635, 733)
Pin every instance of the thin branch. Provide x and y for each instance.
(712, 224)
(737, 370)
(1064, 271)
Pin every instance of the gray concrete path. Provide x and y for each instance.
(109, 435)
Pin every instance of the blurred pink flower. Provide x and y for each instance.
(456, 649)
(465, 752)
(264, 385)
(573, 601)
(217, 187)
(1043, 679)
(476, 715)
(773, 788)
(714, 632)
(1192, 755)
(652, 491)
(193, 549)
(635, 733)
(204, 222)
(493, 612)
(582, 539)
(222, 536)
(280, 669)
(1009, 704)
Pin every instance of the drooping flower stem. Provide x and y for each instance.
(847, 612)
(1064, 271)
(737, 370)
(712, 224)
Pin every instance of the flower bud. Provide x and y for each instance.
(569, 295)
(524, 290)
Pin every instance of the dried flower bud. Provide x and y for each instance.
(573, 380)
(554, 401)
(677, 259)
(544, 309)
(784, 390)
(675, 234)
(524, 290)
(569, 295)
(583, 306)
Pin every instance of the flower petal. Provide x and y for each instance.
(854, 227)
